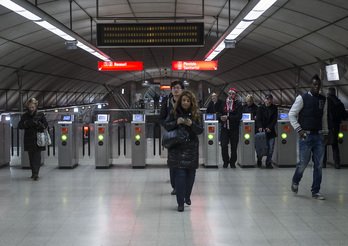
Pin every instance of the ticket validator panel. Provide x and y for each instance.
(211, 148)
(138, 141)
(68, 156)
(246, 144)
(286, 146)
(102, 141)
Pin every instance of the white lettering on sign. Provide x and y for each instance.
(120, 64)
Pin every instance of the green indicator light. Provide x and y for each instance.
(100, 137)
(247, 136)
(64, 137)
(340, 135)
(137, 137)
(210, 136)
(284, 136)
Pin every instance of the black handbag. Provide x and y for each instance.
(332, 137)
(176, 137)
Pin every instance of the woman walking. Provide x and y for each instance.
(184, 158)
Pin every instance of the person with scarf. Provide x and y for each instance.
(230, 115)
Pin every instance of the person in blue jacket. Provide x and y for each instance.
(183, 159)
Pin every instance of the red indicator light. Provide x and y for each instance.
(120, 66)
(85, 128)
(194, 65)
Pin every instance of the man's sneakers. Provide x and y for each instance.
(318, 196)
(294, 187)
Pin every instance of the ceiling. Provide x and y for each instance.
(278, 53)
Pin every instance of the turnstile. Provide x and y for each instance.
(68, 156)
(102, 144)
(211, 141)
(246, 145)
(4, 143)
(138, 141)
(343, 143)
(286, 146)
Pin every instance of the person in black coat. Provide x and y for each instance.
(266, 120)
(177, 87)
(213, 108)
(230, 115)
(33, 122)
(184, 158)
(336, 112)
(250, 107)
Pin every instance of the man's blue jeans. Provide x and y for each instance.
(184, 179)
(313, 146)
(270, 145)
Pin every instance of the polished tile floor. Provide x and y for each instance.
(124, 206)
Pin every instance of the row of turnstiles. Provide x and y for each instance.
(103, 134)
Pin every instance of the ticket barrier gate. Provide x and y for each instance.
(211, 141)
(102, 143)
(5, 143)
(286, 146)
(246, 145)
(68, 156)
(138, 141)
(343, 143)
(24, 156)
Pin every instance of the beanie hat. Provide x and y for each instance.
(233, 90)
(315, 78)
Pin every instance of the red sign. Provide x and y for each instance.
(247, 129)
(194, 65)
(65, 130)
(101, 130)
(138, 130)
(165, 87)
(120, 66)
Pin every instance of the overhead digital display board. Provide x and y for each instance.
(150, 35)
(120, 66)
(194, 65)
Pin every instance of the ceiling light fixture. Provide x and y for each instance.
(253, 10)
(41, 18)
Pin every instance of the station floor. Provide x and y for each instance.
(85, 206)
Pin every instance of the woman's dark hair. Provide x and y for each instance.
(194, 106)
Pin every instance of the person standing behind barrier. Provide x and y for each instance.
(177, 88)
(266, 120)
(336, 112)
(156, 99)
(250, 107)
(230, 115)
(213, 108)
(33, 122)
(184, 158)
(308, 116)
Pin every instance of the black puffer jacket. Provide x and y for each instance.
(184, 156)
(32, 123)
